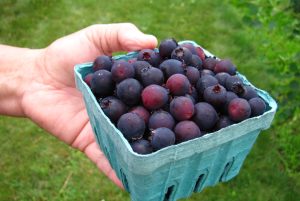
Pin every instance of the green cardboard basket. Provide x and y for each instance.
(177, 171)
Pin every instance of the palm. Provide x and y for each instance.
(54, 103)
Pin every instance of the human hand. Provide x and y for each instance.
(51, 99)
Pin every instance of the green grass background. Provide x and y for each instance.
(262, 39)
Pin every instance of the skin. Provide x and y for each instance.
(39, 83)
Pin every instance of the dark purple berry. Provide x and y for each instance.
(162, 137)
(88, 78)
(102, 83)
(166, 47)
(215, 95)
(249, 92)
(150, 56)
(112, 107)
(102, 63)
(235, 84)
(152, 75)
(186, 130)
(210, 63)
(190, 47)
(223, 122)
(178, 85)
(182, 54)
(132, 60)
(221, 77)
(204, 82)
(141, 146)
(122, 70)
(225, 66)
(170, 67)
(132, 126)
(161, 119)
(182, 108)
(129, 91)
(239, 109)
(205, 116)
(154, 97)
(142, 112)
(229, 97)
(192, 74)
(138, 67)
(206, 72)
(196, 62)
(258, 106)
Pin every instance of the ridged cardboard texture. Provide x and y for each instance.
(179, 170)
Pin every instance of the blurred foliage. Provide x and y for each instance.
(275, 26)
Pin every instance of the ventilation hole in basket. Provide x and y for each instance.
(169, 193)
(124, 180)
(226, 170)
(199, 182)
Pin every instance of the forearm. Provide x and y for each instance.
(16, 68)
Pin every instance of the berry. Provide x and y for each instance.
(102, 63)
(225, 66)
(258, 106)
(186, 130)
(249, 92)
(131, 126)
(87, 79)
(154, 97)
(139, 66)
(239, 109)
(141, 146)
(196, 62)
(182, 108)
(166, 47)
(205, 116)
(206, 72)
(200, 53)
(210, 63)
(182, 54)
(161, 119)
(129, 91)
(178, 85)
(133, 60)
(221, 77)
(162, 137)
(192, 74)
(150, 56)
(142, 112)
(152, 75)
(204, 82)
(215, 95)
(229, 97)
(190, 47)
(122, 70)
(235, 84)
(113, 108)
(102, 83)
(223, 122)
(170, 67)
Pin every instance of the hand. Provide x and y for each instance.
(51, 99)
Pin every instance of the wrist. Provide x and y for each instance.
(17, 72)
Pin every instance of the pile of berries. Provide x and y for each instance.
(171, 95)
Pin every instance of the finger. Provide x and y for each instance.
(109, 38)
(97, 156)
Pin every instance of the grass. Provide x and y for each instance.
(262, 39)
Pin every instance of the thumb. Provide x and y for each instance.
(109, 38)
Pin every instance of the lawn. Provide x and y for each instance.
(262, 38)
